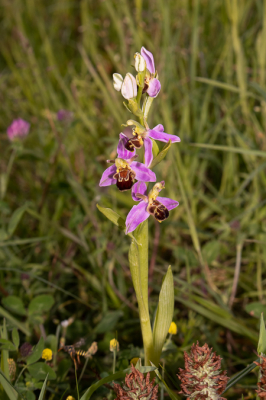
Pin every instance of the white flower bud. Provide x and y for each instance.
(129, 87)
(117, 80)
(140, 64)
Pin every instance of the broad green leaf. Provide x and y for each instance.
(51, 343)
(15, 304)
(109, 321)
(117, 376)
(40, 370)
(14, 321)
(172, 395)
(211, 250)
(262, 338)
(9, 389)
(15, 218)
(164, 313)
(114, 217)
(15, 337)
(43, 388)
(41, 304)
(161, 155)
(36, 353)
(7, 345)
(255, 309)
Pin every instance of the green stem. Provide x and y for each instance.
(8, 171)
(138, 261)
(76, 380)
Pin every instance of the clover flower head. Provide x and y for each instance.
(202, 378)
(47, 354)
(261, 392)
(125, 170)
(18, 129)
(143, 136)
(148, 205)
(173, 329)
(25, 350)
(12, 368)
(136, 387)
(152, 85)
(114, 345)
(64, 115)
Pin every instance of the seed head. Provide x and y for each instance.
(261, 392)
(136, 387)
(202, 379)
(12, 368)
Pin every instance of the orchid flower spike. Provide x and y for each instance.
(129, 87)
(152, 85)
(125, 170)
(143, 136)
(148, 205)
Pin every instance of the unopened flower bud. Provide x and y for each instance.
(140, 64)
(173, 329)
(118, 81)
(114, 345)
(129, 87)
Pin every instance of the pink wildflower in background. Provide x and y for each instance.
(64, 115)
(18, 129)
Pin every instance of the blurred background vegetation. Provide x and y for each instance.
(211, 59)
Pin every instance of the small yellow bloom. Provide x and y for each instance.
(114, 345)
(47, 354)
(173, 329)
(70, 398)
(134, 361)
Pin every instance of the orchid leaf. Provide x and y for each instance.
(114, 217)
(262, 338)
(164, 313)
(161, 155)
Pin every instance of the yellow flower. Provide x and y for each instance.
(134, 361)
(173, 329)
(70, 398)
(47, 354)
(114, 345)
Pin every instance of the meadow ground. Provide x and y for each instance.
(211, 59)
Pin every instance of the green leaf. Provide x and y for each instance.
(36, 353)
(15, 337)
(239, 150)
(164, 313)
(109, 321)
(211, 250)
(15, 218)
(114, 217)
(3, 234)
(161, 155)
(255, 309)
(9, 389)
(14, 321)
(169, 391)
(262, 338)
(155, 148)
(40, 370)
(7, 345)
(117, 376)
(43, 388)
(15, 304)
(41, 304)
